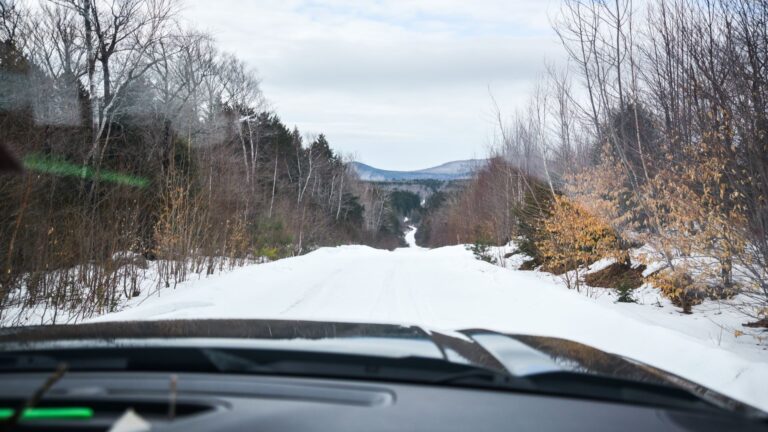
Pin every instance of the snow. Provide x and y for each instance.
(410, 237)
(448, 289)
(601, 264)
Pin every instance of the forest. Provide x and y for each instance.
(649, 147)
(142, 143)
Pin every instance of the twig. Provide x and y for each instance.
(38, 395)
(172, 399)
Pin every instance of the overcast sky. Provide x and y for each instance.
(401, 84)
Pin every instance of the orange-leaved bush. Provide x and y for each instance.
(572, 237)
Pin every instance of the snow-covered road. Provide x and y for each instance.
(447, 288)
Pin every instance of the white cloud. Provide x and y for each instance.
(402, 84)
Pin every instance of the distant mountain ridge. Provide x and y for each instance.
(455, 170)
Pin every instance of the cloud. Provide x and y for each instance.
(420, 64)
(403, 84)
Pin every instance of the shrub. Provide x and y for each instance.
(624, 292)
(271, 253)
(482, 251)
(678, 286)
(572, 237)
(531, 214)
(272, 240)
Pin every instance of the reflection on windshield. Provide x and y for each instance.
(49, 165)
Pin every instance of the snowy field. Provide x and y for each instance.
(447, 288)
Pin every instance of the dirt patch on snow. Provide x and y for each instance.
(617, 275)
(763, 323)
(529, 265)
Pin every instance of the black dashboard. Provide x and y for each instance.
(198, 401)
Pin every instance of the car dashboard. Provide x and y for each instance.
(199, 401)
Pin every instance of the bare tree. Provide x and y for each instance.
(121, 38)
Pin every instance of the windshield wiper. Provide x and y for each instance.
(592, 386)
(486, 377)
(408, 369)
(582, 385)
(411, 369)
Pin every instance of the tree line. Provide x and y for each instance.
(657, 128)
(146, 146)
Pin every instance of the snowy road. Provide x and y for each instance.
(447, 288)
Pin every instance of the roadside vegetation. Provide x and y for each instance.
(149, 152)
(650, 148)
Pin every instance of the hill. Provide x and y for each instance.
(456, 170)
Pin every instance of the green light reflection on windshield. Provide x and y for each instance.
(57, 166)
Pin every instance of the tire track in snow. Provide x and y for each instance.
(383, 287)
(314, 291)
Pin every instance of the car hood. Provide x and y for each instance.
(514, 354)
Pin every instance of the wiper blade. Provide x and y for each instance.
(580, 385)
(409, 369)
(602, 387)
(486, 377)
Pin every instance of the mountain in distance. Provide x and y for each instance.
(456, 170)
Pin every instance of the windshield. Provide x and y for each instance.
(589, 176)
